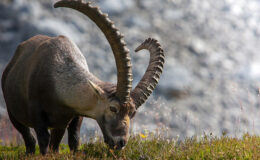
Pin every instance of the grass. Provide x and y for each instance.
(154, 147)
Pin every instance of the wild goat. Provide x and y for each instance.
(47, 85)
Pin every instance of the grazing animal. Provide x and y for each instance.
(47, 86)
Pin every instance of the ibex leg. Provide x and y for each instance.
(56, 136)
(74, 133)
(26, 133)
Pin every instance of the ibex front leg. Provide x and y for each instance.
(74, 133)
(56, 136)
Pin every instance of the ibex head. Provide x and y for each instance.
(114, 119)
(117, 104)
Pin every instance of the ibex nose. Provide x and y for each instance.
(121, 144)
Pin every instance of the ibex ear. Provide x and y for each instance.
(97, 90)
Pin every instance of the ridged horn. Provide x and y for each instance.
(115, 39)
(152, 74)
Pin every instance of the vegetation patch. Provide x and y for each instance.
(153, 147)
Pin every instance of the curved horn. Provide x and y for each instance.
(115, 39)
(152, 74)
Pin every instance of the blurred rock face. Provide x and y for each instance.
(211, 77)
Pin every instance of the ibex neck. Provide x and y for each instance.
(78, 95)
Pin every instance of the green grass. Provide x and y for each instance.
(154, 147)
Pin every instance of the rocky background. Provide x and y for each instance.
(211, 78)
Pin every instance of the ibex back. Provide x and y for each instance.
(47, 85)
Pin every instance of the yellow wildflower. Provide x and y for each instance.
(142, 135)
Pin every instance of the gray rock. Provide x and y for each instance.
(175, 80)
(115, 6)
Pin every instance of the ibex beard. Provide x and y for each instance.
(47, 86)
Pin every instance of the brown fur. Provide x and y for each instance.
(47, 85)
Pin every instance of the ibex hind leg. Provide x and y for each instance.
(74, 133)
(43, 137)
(26, 133)
(56, 137)
(40, 125)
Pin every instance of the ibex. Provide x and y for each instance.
(47, 86)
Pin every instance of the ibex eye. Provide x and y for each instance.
(113, 109)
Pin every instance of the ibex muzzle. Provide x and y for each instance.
(47, 85)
